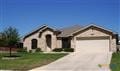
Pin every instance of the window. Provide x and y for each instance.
(34, 43)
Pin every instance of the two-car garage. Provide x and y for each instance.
(92, 44)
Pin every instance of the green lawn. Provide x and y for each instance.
(115, 62)
(28, 61)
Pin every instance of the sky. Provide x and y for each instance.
(27, 15)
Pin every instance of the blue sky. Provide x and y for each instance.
(26, 15)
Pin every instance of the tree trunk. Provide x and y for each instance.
(10, 51)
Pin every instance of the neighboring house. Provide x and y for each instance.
(90, 38)
(119, 40)
(118, 46)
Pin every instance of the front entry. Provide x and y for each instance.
(48, 42)
(66, 43)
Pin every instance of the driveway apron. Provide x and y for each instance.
(80, 61)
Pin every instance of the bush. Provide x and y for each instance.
(38, 50)
(22, 50)
(57, 49)
(30, 51)
(68, 49)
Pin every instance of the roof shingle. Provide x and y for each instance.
(66, 32)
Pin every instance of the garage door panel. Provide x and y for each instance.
(96, 45)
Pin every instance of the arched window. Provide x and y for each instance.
(34, 43)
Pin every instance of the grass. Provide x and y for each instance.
(115, 62)
(28, 61)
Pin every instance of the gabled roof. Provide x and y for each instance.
(93, 25)
(66, 32)
(70, 31)
(43, 27)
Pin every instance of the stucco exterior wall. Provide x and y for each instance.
(113, 45)
(59, 43)
(27, 41)
(53, 39)
(91, 33)
(41, 40)
(94, 33)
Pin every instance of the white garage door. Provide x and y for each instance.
(92, 45)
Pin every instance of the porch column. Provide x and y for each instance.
(72, 43)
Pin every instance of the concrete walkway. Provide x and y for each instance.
(79, 61)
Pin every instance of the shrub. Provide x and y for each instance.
(38, 50)
(57, 49)
(68, 49)
(30, 51)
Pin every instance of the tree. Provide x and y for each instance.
(1, 43)
(9, 37)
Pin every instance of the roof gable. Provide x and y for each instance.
(39, 29)
(66, 32)
(47, 28)
(93, 26)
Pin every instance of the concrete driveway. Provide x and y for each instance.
(80, 61)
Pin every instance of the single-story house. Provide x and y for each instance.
(91, 38)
